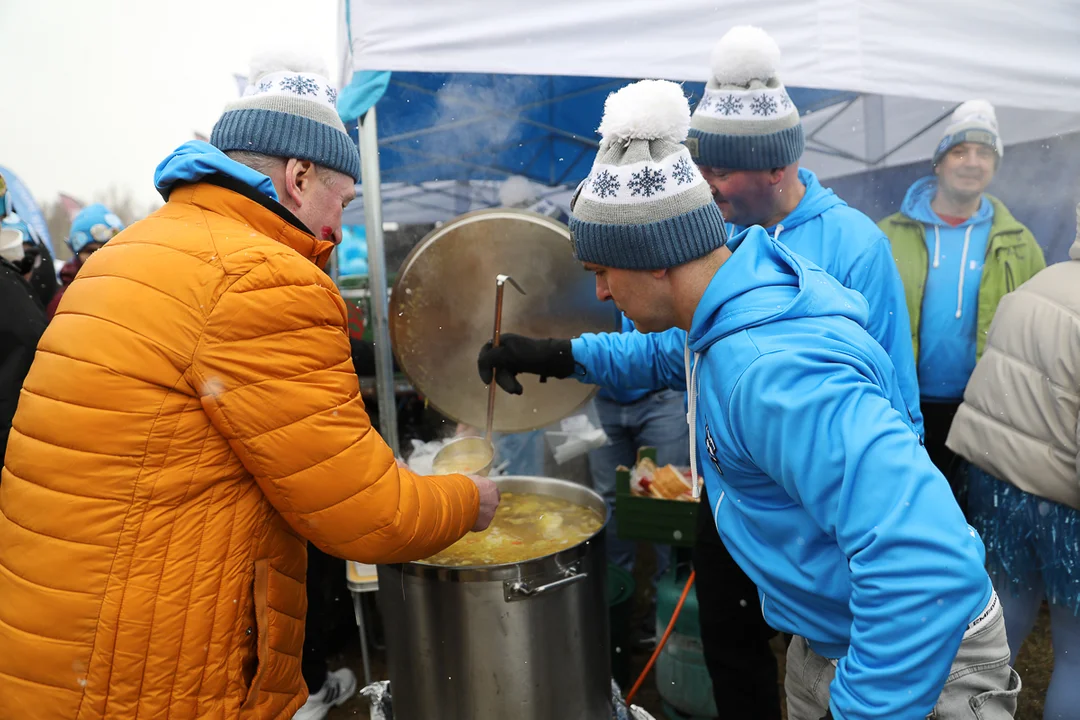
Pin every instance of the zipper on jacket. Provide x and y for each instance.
(922, 306)
(1010, 281)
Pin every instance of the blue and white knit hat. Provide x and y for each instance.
(288, 110)
(645, 205)
(94, 224)
(745, 120)
(973, 121)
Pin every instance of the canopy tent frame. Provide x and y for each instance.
(874, 51)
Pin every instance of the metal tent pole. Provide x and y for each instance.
(874, 124)
(380, 314)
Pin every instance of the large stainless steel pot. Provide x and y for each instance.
(525, 641)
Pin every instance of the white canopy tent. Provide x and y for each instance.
(909, 63)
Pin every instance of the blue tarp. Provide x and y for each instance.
(469, 126)
(22, 203)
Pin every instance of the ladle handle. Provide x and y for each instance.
(495, 337)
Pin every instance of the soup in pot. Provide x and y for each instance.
(526, 526)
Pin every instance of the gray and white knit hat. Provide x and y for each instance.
(973, 121)
(288, 110)
(644, 205)
(745, 120)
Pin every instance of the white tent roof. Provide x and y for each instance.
(1021, 56)
(875, 132)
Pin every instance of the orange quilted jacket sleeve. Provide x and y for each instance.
(274, 372)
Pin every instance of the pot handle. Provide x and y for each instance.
(521, 589)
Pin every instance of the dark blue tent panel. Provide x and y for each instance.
(468, 126)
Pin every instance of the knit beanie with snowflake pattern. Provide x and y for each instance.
(288, 110)
(644, 205)
(745, 120)
(973, 121)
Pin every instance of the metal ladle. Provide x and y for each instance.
(465, 454)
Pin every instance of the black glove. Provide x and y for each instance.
(519, 354)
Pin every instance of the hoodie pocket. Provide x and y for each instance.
(259, 592)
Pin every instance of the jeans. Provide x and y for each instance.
(981, 685)
(658, 420)
(524, 452)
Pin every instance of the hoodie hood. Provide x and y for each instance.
(917, 201)
(763, 282)
(815, 202)
(195, 160)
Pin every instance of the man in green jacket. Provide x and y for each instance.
(958, 251)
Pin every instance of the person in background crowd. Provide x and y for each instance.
(959, 251)
(94, 226)
(155, 567)
(632, 419)
(36, 265)
(1017, 428)
(797, 415)
(747, 139)
(22, 321)
(30, 259)
(36, 256)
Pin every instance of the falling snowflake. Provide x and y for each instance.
(648, 182)
(266, 86)
(682, 172)
(331, 95)
(300, 85)
(605, 184)
(763, 105)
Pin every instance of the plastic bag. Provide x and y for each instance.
(378, 694)
(619, 709)
(422, 455)
(576, 435)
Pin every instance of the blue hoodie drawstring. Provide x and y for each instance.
(963, 267)
(937, 246)
(691, 414)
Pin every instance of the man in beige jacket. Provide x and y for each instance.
(1018, 429)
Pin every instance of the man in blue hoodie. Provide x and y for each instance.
(747, 139)
(819, 484)
(959, 251)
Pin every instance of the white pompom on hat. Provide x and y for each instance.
(744, 54)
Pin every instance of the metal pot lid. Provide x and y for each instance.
(443, 304)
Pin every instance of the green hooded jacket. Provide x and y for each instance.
(1012, 257)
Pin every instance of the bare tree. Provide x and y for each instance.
(121, 203)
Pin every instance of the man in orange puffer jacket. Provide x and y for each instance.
(191, 419)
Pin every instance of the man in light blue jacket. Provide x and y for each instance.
(818, 482)
(747, 140)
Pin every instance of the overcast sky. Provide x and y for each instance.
(96, 92)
